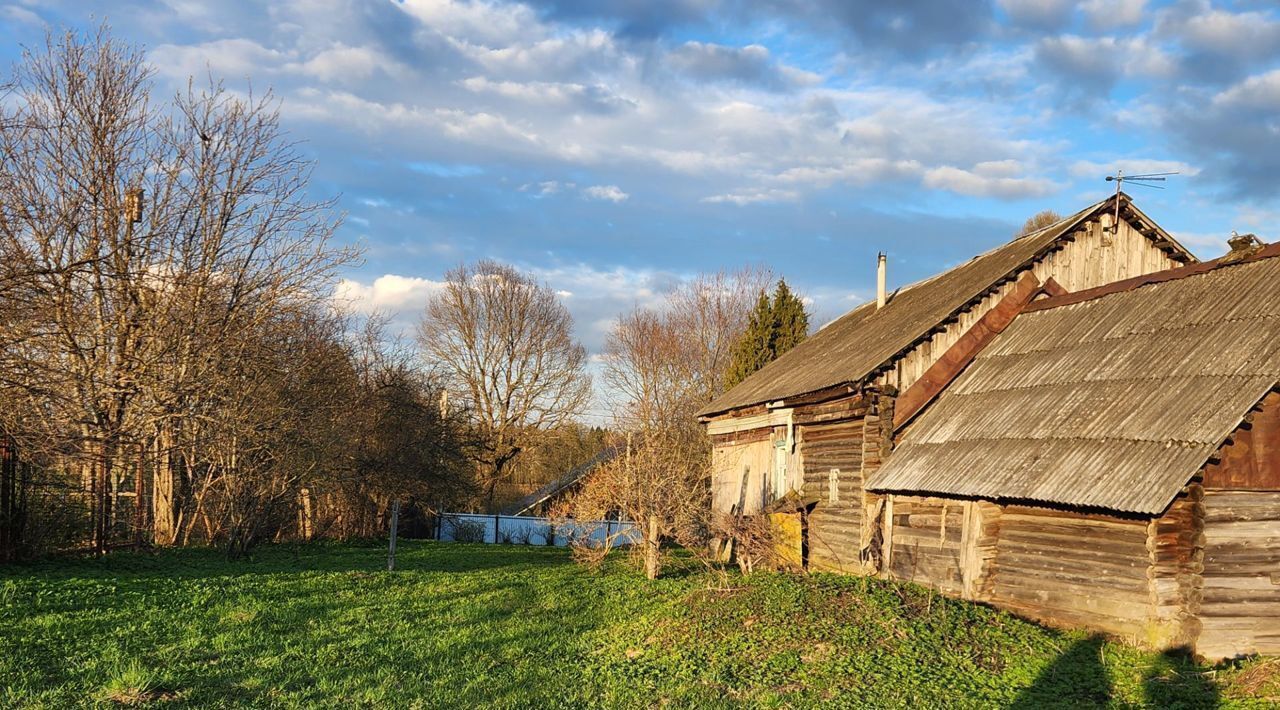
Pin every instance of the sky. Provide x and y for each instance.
(614, 148)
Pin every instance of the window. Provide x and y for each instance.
(833, 486)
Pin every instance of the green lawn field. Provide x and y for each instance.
(525, 627)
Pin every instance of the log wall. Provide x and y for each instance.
(834, 528)
(927, 541)
(1073, 569)
(1175, 543)
(1240, 608)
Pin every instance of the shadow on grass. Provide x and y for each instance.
(1079, 678)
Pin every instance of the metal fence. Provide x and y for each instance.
(527, 530)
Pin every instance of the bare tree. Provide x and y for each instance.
(1039, 221)
(146, 245)
(505, 343)
(665, 365)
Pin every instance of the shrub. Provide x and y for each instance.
(468, 531)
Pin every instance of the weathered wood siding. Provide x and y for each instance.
(1073, 569)
(1240, 609)
(740, 473)
(1094, 258)
(834, 528)
(1250, 461)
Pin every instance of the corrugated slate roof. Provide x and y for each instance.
(858, 343)
(1113, 402)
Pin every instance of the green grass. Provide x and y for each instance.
(501, 626)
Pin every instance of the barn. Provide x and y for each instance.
(816, 422)
(1111, 460)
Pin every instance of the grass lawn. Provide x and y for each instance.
(500, 626)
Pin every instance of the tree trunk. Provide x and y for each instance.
(163, 501)
(652, 561)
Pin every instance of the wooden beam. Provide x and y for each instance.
(958, 356)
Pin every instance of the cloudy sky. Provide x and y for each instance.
(615, 147)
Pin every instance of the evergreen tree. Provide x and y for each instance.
(790, 321)
(775, 326)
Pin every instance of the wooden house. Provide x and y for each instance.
(1065, 426)
(818, 420)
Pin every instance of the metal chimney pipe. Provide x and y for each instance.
(880, 274)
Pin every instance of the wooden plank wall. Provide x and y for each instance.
(1073, 569)
(834, 529)
(1251, 459)
(1080, 264)
(1240, 609)
(741, 463)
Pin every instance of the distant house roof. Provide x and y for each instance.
(853, 347)
(1110, 398)
(562, 484)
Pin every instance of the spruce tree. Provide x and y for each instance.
(775, 326)
(791, 322)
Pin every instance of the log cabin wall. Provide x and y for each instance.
(1095, 257)
(833, 452)
(1240, 607)
(1240, 604)
(927, 542)
(1175, 542)
(1073, 569)
(944, 543)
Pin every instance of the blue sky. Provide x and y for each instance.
(614, 147)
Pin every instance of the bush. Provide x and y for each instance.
(468, 531)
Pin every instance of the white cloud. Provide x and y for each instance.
(1110, 14)
(612, 193)
(1259, 93)
(231, 58)
(389, 293)
(989, 179)
(346, 64)
(1204, 245)
(1103, 60)
(747, 197)
(1226, 33)
(1043, 14)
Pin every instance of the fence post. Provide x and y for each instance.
(395, 525)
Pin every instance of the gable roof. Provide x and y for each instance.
(853, 347)
(1110, 398)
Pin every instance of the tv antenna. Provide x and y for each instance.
(1145, 180)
